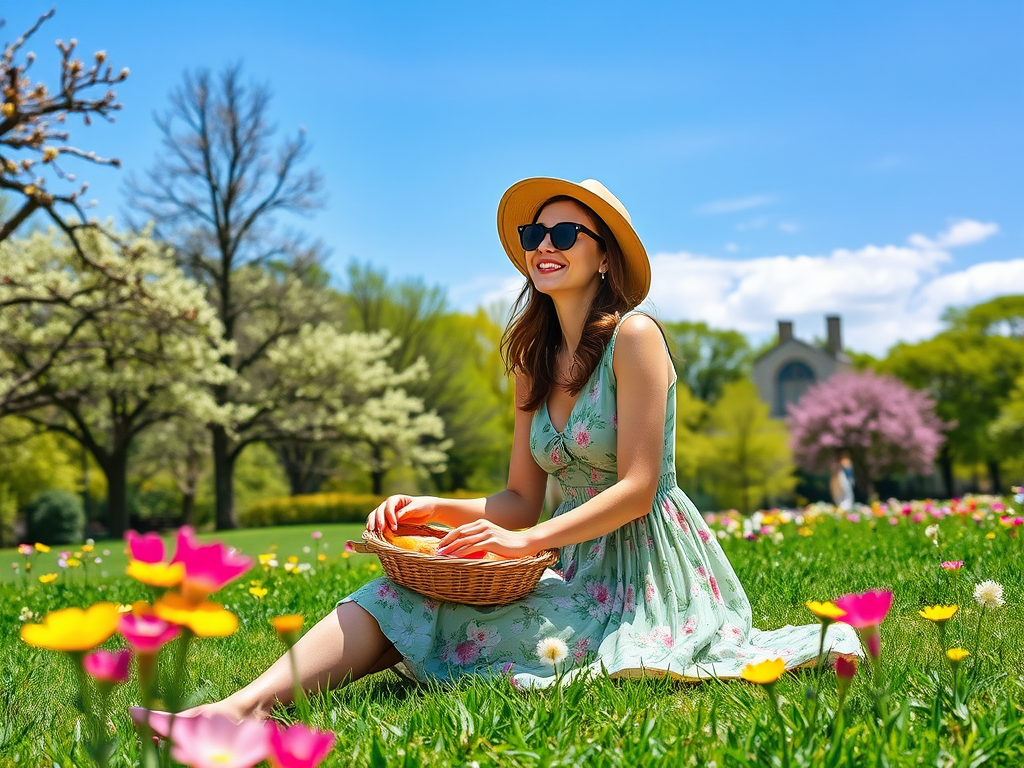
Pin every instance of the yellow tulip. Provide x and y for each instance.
(157, 574)
(957, 654)
(764, 673)
(939, 613)
(205, 619)
(41, 547)
(258, 592)
(72, 629)
(826, 610)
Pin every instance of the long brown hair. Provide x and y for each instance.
(533, 336)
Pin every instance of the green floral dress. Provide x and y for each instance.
(657, 596)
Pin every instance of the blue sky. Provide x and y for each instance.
(780, 160)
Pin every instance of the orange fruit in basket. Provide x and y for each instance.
(427, 545)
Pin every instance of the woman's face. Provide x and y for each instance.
(572, 270)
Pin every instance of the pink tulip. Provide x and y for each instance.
(298, 746)
(215, 741)
(865, 610)
(952, 565)
(108, 666)
(846, 668)
(349, 546)
(146, 633)
(208, 567)
(146, 548)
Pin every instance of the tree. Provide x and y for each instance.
(969, 370)
(707, 359)
(746, 452)
(215, 193)
(33, 136)
(1008, 428)
(884, 426)
(110, 353)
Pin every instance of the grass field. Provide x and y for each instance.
(387, 721)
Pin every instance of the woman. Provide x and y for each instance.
(641, 585)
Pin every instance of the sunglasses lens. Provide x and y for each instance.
(531, 236)
(563, 235)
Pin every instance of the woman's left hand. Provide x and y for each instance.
(485, 536)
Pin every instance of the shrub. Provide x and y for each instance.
(55, 517)
(310, 508)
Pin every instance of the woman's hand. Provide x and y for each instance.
(485, 536)
(414, 510)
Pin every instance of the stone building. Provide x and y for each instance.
(784, 372)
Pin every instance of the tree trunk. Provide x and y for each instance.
(116, 470)
(993, 476)
(224, 480)
(377, 470)
(188, 508)
(946, 465)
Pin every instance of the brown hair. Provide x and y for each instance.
(533, 336)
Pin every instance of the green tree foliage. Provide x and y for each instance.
(56, 517)
(1008, 428)
(706, 359)
(744, 454)
(969, 369)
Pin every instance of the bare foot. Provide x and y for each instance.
(231, 707)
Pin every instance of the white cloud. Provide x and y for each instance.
(733, 205)
(883, 293)
(788, 227)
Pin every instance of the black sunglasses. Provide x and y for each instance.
(563, 235)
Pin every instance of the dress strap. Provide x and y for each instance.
(611, 344)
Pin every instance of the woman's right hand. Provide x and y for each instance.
(415, 510)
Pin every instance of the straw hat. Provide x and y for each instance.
(523, 200)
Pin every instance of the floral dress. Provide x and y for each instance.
(656, 596)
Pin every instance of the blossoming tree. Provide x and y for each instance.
(882, 424)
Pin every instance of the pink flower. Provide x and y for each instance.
(846, 668)
(630, 599)
(215, 741)
(386, 591)
(467, 652)
(25, 549)
(108, 666)
(894, 521)
(208, 567)
(580, 649)
(598, 591)
(316, 535)
(918, 517)
(690, 625)
(704, 534)
(853, 517)
(581, 435)
(298, 746)
(350, 547)
(714, 589)
(952, 565)
(615, 421)
(146, 634)
(867, 609)
(649, 591)
(146, 548)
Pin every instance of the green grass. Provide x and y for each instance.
(386, 721)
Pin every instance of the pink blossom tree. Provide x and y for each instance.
(882, 424)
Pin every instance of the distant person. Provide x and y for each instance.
(642, 585)
(841, 487)
(847, 464)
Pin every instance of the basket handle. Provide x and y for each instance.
(360, 547)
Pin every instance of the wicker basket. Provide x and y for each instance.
(452, 579)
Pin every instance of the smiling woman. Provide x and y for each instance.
(641, 585)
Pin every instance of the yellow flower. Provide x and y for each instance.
(258, 592)
(322, 557)
(804, 530)
(73, 629)
(73, 562)
(293, 559)
(990, 535)
(826, 610)
(87, 548)
(938, 613)
(764, 673)
(48, 578)
(373, 567)
(957, 654)
(345, 555)
(124, 608)
(290, 623)
(157, 574)
(205, 620)
(41, 547)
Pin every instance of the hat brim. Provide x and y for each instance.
(523, 200)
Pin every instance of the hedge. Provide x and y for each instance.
(321, 508)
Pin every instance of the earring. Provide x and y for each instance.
(602, 275)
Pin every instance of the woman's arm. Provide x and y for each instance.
(518, 506)
(643, 375)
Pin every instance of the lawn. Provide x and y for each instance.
(386, 721)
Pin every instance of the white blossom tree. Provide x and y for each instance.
(102, 353)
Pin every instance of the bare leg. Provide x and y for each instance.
(344, 645)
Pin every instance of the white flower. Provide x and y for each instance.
(989, 594)
(932, 532)
(552, 650)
